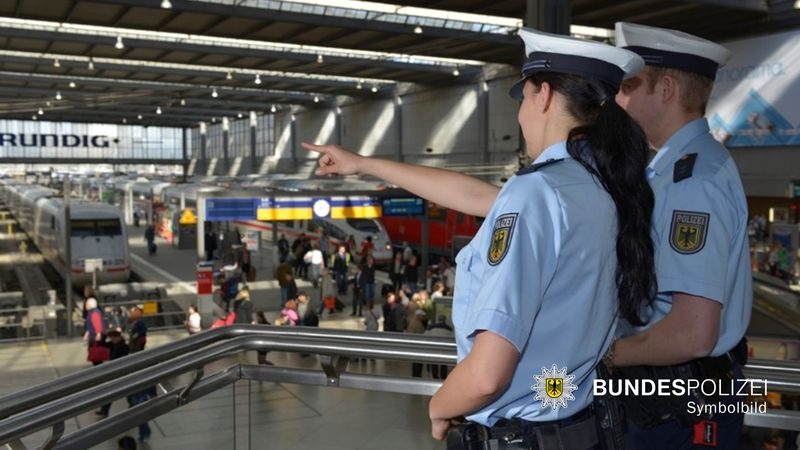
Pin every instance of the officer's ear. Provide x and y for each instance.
(667, 88)
(545, 97)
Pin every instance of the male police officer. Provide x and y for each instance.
(697, 322)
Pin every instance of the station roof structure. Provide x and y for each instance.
(179, 62)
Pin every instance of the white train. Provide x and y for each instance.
(97, 233)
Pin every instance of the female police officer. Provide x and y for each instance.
(537, 290)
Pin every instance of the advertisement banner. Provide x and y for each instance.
(756, 95)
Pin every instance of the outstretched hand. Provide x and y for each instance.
(335, 160)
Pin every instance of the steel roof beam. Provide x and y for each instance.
(275, 15)
(204, 49)
(748, 5)
(189, 71)
(156, 86)
(123, 100)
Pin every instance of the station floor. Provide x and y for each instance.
(280, 415)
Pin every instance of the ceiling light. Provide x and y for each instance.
(273, 109)
(229, 75)
(139, 117)
(166, 4)
(124, 120)
(72, 84)
(119, 45)
(158, 110)
(258, 79)
(56, 63)
(320, 59)
(58, 95)
(48, 103)
(90, 66)
(374, 88)
(797, 4)
(213, 120)
(239, 115)
(359, 85)
(456, 72)
(110, 35)
(40, 111)
(183, 102)
(214, 93)
(316, 99)
(417, 29)
(33, 117)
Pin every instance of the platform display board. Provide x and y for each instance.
(307, 208)
(405, 206)
(227, 209)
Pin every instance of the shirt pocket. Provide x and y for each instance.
(467, 282)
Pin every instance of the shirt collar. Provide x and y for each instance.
(675, 146)
(555, 151)
(552, 154)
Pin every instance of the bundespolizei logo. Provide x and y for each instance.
(554, 387)
(688, 231)
(501, 237)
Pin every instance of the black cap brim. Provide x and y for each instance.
(516, 90)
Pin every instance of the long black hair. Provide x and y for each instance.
(616, 154)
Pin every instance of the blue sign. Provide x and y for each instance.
(227, 209)
(410, 206)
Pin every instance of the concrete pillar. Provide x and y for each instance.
(551, 16)
(253, 142)
(203, 144)
(226, 133)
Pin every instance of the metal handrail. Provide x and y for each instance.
(49, 404)
(112, 370)
(431, 349)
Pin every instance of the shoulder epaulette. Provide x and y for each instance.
(534, 167)
(684, 167)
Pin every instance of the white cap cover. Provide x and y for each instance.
(547, 52)
(671, 48)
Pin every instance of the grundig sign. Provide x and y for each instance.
(55, 140)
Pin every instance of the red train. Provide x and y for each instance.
(448, 230)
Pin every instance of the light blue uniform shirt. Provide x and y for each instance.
(700, 231)
(549, 291)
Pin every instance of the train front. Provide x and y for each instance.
(98, 233)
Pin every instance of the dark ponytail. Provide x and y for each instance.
(616, 154)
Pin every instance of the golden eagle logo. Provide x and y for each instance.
(555, 387)
(688, 231)
(501, 237)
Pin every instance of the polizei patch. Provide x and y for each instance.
(688, 231)
(501, 237)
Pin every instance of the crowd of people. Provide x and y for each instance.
(109, 338)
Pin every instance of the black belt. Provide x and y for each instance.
(573, 433)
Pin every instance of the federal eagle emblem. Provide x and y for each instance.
(688, 231)
(501, 237)
(554, 387)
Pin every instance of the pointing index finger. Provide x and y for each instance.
(313, 147)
